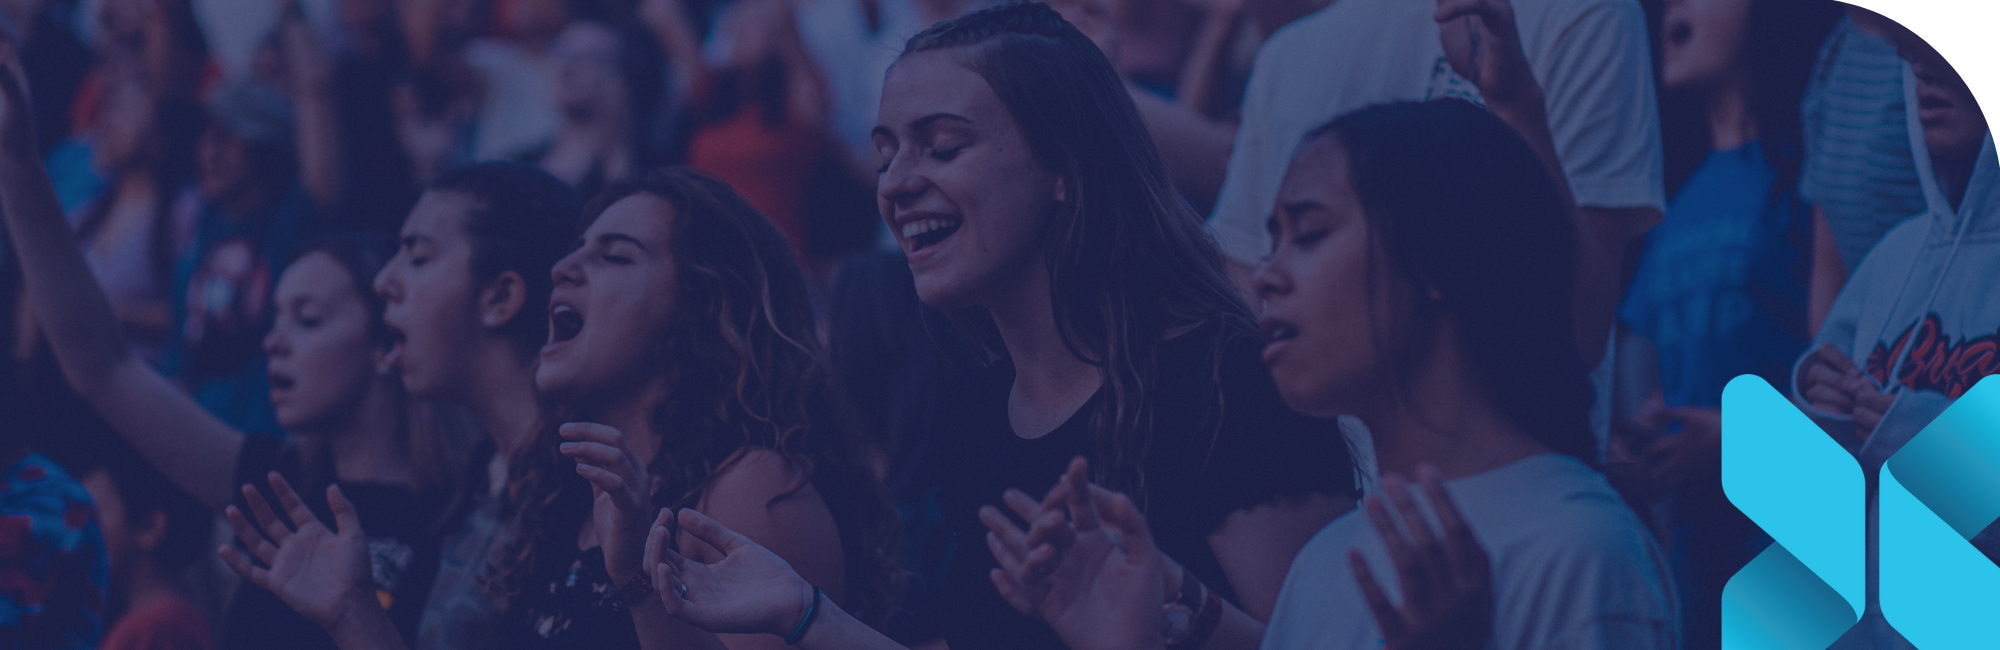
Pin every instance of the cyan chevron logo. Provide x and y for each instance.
(1809, 494)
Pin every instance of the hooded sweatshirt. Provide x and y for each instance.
(1921, 317)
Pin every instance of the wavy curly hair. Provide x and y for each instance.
(745, 370)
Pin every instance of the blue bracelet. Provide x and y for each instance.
(806, 621)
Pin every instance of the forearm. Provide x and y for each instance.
(318, 134)
(1236, 631)
(74, 313)
(659, 630)
(1197, 82)
(194, 449)
(833, 629)
(366, 628)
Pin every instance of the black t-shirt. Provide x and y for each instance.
(1201, 466)
(403, 543)
(573, 609)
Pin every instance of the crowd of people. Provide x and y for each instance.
(1095, 324)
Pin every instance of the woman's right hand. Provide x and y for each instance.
(1099, 581)
(323, 574)
(749, 591)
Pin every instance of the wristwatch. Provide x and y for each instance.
(1192, 617)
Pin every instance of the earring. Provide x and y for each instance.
(491, 319)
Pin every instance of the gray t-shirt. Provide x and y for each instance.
(462, 614)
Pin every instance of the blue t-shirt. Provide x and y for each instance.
(1721, 287)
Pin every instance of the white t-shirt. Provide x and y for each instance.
(1590, 57)
(1573, 569)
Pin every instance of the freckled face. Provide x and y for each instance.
(960, 188)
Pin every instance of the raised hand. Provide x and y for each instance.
(1482, 45)
(622, 490)
(1446, 580)
(323, 574)
(1106, 588)
(749, 591)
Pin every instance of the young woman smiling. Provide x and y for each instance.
(1020, 181)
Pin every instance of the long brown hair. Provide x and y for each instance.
(745, 371)
(1129, 261)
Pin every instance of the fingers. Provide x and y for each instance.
(607, 481)
(295, 508)
(1386, 616)
(252, 539)
(1400, 554)
(1024, 507)
(244, 567)
(1468, 559)
(1007, 541)
(1011, 592)
(1425, 556)
(277, 530)
(1832, 356)
(1082, 509)
(1120, 512)
(1450, 9)
(656, 539)
(345, 520)
(594, 453)
(723, 539)
(1827, 397)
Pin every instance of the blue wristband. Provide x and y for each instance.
(806, 621)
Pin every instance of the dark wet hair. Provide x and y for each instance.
(1128, 258)
(1462, 208)
(745, 370)
(523, 220)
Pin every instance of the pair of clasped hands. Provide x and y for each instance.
(1832, 383)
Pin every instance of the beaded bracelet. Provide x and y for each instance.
(806, 621)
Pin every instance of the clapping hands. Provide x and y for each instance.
(1087, 564)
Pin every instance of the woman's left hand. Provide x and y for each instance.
(622, 508)
(1482, 44)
